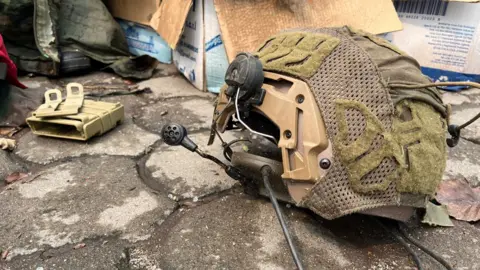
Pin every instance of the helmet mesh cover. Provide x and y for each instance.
(348, 73)
(372, 165)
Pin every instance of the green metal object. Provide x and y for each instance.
(93, 118)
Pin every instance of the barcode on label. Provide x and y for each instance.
(427, 7)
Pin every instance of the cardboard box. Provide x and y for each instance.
(139, 11)
(202, 38)
(200, 53)
(443, 36)
(245, 25)
(144, 40)
(189, 53)
(216, 61)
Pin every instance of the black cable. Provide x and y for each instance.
(226, 146)
(402, 241)
(212, 158)
(225, 154)
(454, 131)
(469, 121)
(218, 134)
(405, 245)
(423, 248)
(266, 173)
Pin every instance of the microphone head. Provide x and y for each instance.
(173, 133)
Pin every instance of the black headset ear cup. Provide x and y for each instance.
(244, 74)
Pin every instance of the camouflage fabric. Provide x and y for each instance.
(388, 141)
(38, 31)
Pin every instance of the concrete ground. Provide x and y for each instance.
(125, 200)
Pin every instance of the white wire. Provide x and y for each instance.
(245, 125)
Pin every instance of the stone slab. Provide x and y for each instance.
(462, 97)
(82, 199)
(8, 166)
(185, 174)
(124, 140)
(131, 103)
(194, 114)
(462, 114)
(458, 245)
(176, 86)
(240, 232)
(97, 254)
(463, 162)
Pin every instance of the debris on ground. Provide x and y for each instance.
(7, 144)
(80, 245)
(5, 253)
(5, 130)
(32, 177)
(9, 131)
(437, 215)
(461, 200)
(14, 177)
(130, 91)
(173, 197)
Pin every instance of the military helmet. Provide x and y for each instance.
(357, 124)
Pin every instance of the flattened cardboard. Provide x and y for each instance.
(216, 62)
(189, 54)
(139, 11)
(444, 37)
(245, 24)
(143, 39)
(201, 49)
(169, 20)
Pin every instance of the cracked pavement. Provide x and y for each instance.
(126, 200)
